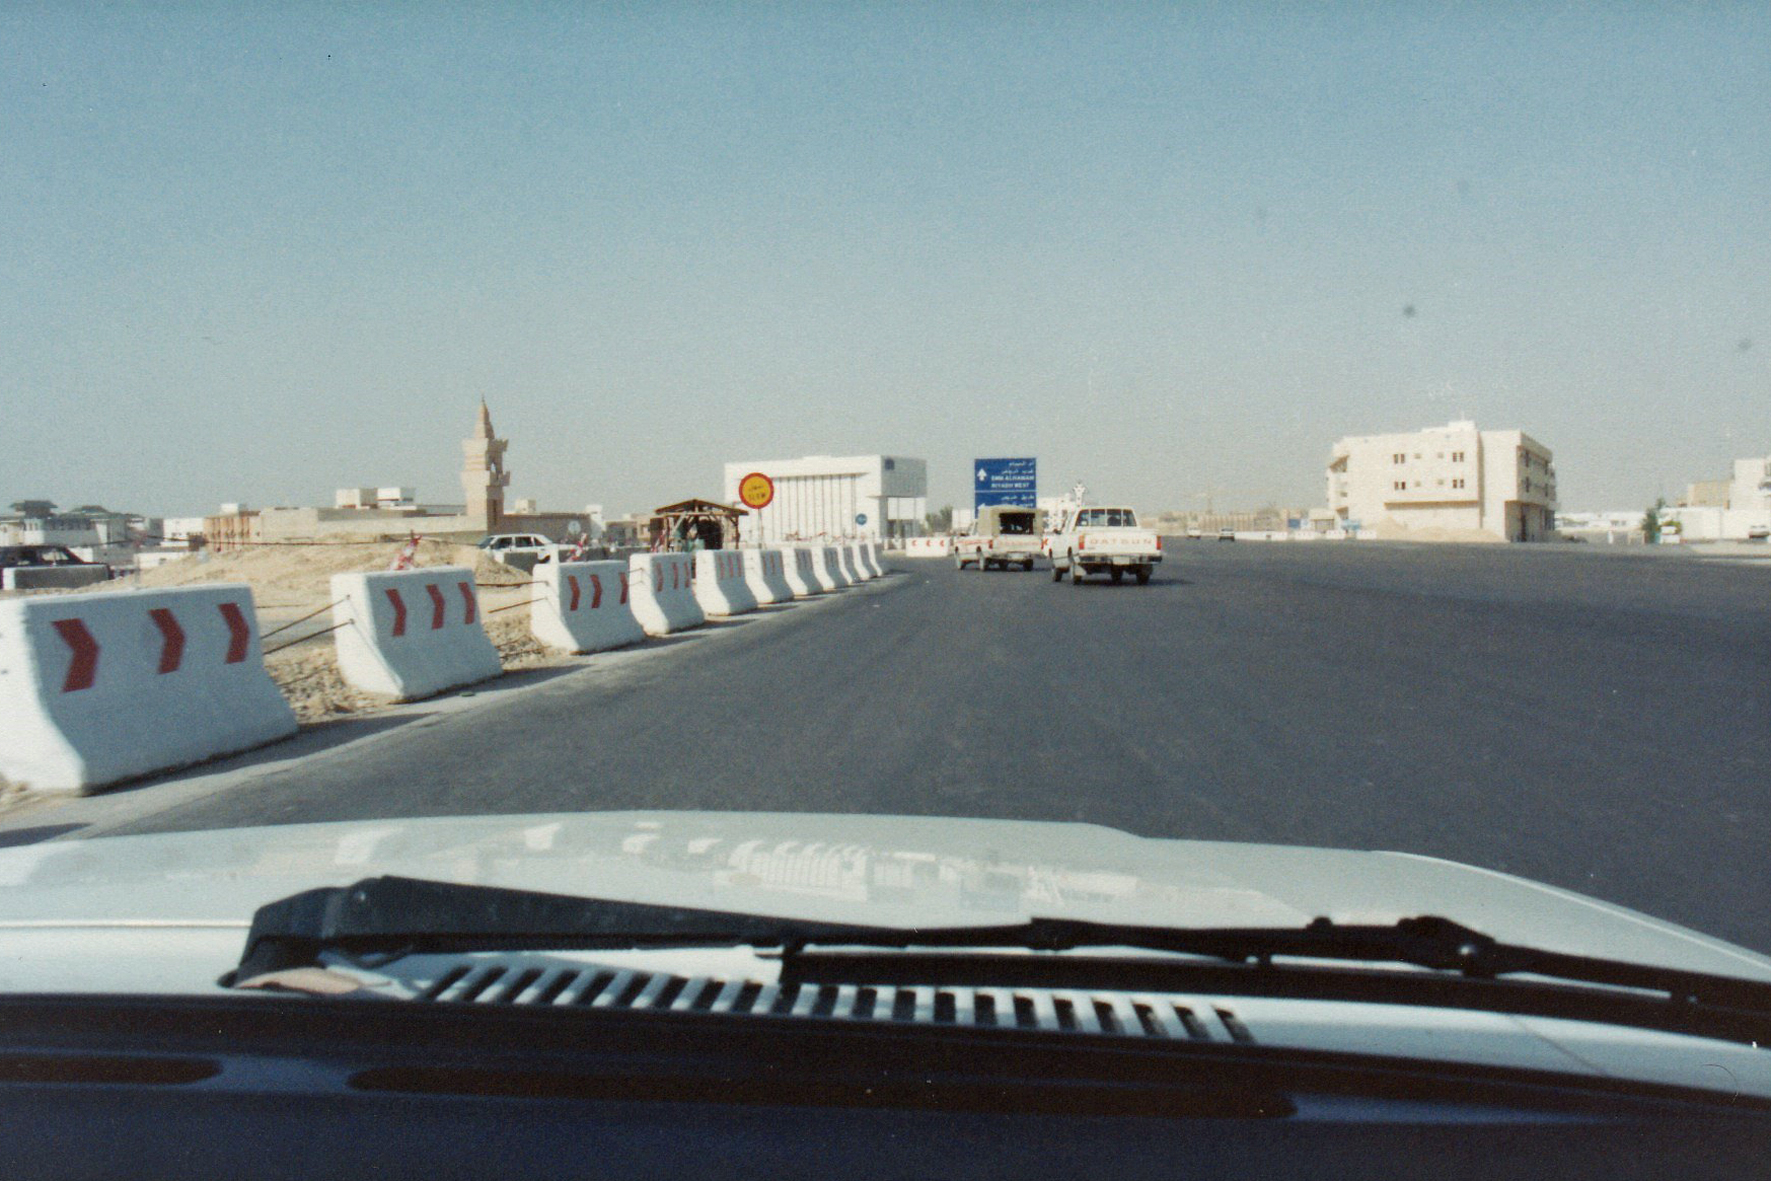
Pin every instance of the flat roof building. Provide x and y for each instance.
(870, 497)
(1449, 483)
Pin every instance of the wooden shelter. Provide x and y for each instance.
(677, 526)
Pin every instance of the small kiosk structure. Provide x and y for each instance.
(694, 524)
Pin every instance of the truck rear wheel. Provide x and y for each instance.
(1057, 571)
(1143, 575)
(1075, 571)
(1027, 565)
(1117, 574)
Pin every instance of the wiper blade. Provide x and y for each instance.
(396, 915)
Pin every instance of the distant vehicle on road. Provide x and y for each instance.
(1195, 533)
(1759, 533)
(1097, 540)
(41, 567)
(502, 547)
(1002, 536)
(1226, 534)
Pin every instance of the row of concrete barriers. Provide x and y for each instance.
(97, 688)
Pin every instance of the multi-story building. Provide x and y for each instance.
(1449, 483)
(866, 496)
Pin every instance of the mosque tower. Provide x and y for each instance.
(483, 479)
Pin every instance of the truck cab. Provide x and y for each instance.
(1003, 535)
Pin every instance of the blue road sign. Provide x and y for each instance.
(860, 518)
(1005, 481)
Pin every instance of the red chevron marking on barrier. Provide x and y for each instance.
(171, 639)
(439, 610)
(393, 596)
(467, 597)
(623, 577)
(572, 581)
(239, 635)
(83, 668)
(596, 592)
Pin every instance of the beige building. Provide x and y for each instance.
(1449, 483)
(1738, 509)
(390, 514)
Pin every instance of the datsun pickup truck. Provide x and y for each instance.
(1097, 540)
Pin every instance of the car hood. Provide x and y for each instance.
(886, 871)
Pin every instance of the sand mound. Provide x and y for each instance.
(301, 575)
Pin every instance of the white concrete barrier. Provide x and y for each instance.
(719, 583)
(851, 566)
(765, 573)
(928, 547)
(411, 633)
(802, 573)
(96, 688)
(662, 593)
(870, 556)
(583, 607)
(829, 567)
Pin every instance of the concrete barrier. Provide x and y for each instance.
(802, 573)
(97, 688)
(870, 558)
(411, 633)
(765, 572)
(662, 593)
(52, 577)
(583, 607)
(829, 568)
(851, 566)
(928, 547)
(719, 583)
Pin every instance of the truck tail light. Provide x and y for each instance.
(1159, 545)
(1082, 542)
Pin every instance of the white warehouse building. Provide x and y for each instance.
(869, 497)
(1448, 483)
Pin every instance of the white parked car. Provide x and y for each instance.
(502, 547)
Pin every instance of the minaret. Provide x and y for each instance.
(483, 478)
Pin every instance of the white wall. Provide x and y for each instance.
(820, 497)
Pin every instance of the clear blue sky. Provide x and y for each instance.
(259, 252)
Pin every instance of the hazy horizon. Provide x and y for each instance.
(1166, 250)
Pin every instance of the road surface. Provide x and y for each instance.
(1596, 720)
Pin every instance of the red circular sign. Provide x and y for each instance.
(756, 490)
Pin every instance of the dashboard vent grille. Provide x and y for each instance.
(1150, 1015)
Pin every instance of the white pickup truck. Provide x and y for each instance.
(1096, 540)
(1002, 536)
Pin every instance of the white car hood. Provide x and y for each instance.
(890, 871)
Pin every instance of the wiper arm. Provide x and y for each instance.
(406, 915)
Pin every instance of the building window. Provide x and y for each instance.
(1398, 458)
(1399, 485)
(1457, 457)
(1457, 483)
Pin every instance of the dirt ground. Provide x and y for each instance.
(290, 581)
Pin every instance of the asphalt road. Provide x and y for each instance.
(1596, 720)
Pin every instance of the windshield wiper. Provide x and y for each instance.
(396, 915)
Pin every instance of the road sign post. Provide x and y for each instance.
(1005, 481)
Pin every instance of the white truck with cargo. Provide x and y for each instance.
(1002, 536)
(1093, 539)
